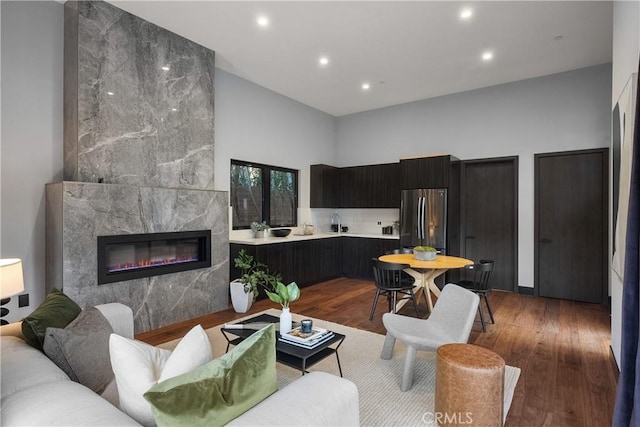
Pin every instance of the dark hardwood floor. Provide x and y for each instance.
(562, 347)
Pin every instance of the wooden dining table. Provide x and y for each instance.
(425, 272)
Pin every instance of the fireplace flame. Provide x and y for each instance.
(152, 263)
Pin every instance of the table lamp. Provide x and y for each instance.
(11, 283)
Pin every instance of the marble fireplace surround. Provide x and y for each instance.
(78, 212)
(138, 158)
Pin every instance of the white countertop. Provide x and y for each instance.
(297, 238)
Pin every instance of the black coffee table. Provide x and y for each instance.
(288, 354)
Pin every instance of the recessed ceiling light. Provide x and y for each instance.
(174, 109)
(323, 60)
(366, 86)
(487, 56)
(165, 68)
(110, 93)
(263, 21)
(466, 13)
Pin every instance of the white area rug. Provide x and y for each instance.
(378, 381)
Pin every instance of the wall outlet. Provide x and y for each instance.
(379, 222)
(23, 300)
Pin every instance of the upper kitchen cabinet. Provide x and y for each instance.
(428, 172)
(324, 186)
(371, 186)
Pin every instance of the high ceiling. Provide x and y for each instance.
(406, 51)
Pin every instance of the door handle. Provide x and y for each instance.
(545, 240)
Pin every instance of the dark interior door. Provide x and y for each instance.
(489, 216)
(572, 225)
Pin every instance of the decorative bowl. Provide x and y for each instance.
(281, 232)
(424, 255)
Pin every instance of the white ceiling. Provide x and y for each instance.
(407, 51)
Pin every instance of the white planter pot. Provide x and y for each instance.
(241, 301)
(285, 321)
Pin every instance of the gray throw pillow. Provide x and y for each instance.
(81, 349)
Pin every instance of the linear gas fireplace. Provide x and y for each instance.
(132, 256)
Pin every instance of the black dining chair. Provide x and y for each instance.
(388, 280)
(478, 282)
(405, 277)
(400, 251)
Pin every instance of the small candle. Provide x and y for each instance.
(306, 326)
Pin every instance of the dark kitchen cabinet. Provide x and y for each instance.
(426, 172)
(311, 261)
(328, 258)
(358, 252)
(315, 260)
(386, 185)
(324, 186)
(371, 186)
(304, 262)
(279, 259)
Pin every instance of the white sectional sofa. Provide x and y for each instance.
(35, 392)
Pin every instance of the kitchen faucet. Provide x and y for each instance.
(336, 216)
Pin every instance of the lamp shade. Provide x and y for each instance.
(11, 281)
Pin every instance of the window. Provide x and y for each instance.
(263, 193)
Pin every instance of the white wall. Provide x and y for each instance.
(566, 111)
(31, 144)
(626, 51)
(626, 44)
(256, 124)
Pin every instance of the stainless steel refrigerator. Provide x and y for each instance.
(423, 218)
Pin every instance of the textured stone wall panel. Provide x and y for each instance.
(138, 124)
(90, 210)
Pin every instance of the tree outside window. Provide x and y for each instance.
(253, 198)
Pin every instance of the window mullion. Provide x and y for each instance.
(266, 194)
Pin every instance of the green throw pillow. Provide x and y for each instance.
(56, 311)
(221, 390)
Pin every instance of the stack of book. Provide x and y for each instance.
(309, 340)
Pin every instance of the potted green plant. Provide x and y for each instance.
(244, 290)
(424, 253)
(283, 295)
(259, 228)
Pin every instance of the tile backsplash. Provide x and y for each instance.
(359, 221)
(364, 221)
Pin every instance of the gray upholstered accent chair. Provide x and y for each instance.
(450, 322)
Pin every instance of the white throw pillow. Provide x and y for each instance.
(139, 366)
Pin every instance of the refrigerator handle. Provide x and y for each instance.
(422, 217)
(418, 217)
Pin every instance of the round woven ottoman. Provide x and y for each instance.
(469, 386)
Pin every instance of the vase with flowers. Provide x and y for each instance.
(284, 295)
